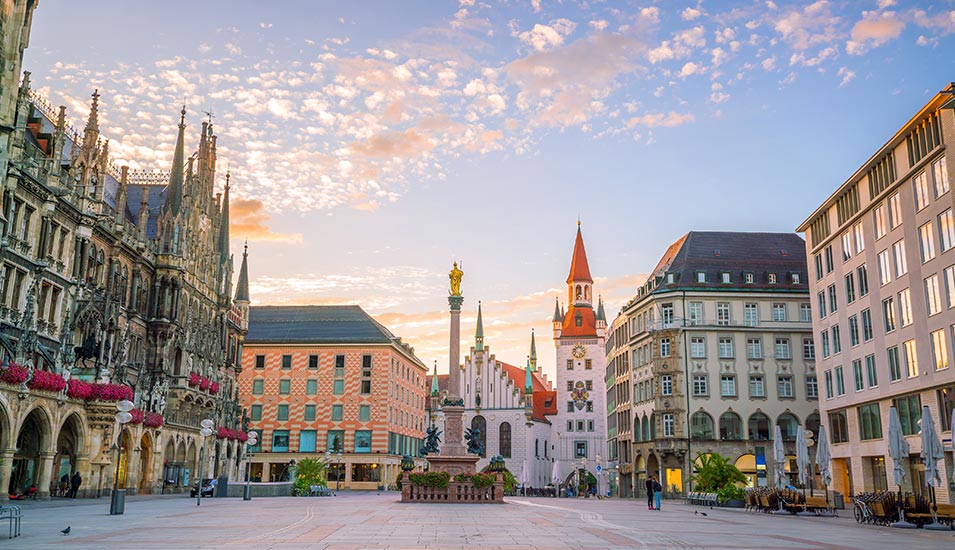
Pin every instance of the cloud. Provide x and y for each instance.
(873, 30)
(689, 69)
(846, 75)
(664, 120)
(543, 37)
(689, 14)
(812, 25)
(249, 220)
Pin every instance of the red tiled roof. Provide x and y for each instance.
(579, 268)
(588, 324)
(545, 397)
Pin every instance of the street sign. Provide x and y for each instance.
(599, 468)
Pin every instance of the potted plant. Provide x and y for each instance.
(731, 496)
(716, 474)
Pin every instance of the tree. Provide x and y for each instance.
(309, 472)
(714, 472)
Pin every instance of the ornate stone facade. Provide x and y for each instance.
(110, 277)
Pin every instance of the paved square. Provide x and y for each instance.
(354, 521)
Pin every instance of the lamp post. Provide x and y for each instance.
(117, 501)
(338, 477)
(251, 442)
(205, 431)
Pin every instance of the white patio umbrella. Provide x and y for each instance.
(898, 450)
(824, 460)
(931, 453)
(802, 462)
(779, 458)
(953, 433)
(525, 476)
(555, 474)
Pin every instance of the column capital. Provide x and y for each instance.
(455, 303)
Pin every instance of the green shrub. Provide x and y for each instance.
(482, 481)
(730, 492)
(437, 480)
(308, 472)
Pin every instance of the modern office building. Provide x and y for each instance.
(331, 379)
(713, 351)
(882, 257)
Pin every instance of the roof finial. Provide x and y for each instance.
(578, 220)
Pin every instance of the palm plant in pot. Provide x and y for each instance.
(716, 474)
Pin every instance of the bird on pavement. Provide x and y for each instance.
(66, 531)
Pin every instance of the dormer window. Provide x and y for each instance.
(748, 277)
(700, 276)
(725, 278)
(795, 278)
(669, 278)
(579, 320)
(772, 278)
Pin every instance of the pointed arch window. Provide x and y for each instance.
(479, 423)
(505, 440)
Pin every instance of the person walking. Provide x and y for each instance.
(75, 483)
(657, 493)
(649, 484)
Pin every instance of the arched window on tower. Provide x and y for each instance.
(577, 294)
(505, 440)
(587, 292)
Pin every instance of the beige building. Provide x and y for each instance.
(882, 250)
(713, 352)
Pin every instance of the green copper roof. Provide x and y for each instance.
(434, 380)
(528, 379)
(533, 351)
(558, 318)
(479, 332)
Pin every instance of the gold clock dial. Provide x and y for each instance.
(579, 351)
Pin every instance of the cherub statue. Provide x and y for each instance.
(431, 441)
(473, 437)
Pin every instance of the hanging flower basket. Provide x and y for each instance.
(204, 384)
(214, 388)
(235, 435)
(14, 375)
(194, 379)
(137, 416)
(45, 380)
(153, 420)
(78, 389)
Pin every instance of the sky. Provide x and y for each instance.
(372, 143)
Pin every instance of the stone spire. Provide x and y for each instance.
(601, 316)
(434, 381)
(92, 122)
(558, 316)
(122, 197)
(479, 332)
(174, 193)
(533, 356)
(224, 223)
(242, 289)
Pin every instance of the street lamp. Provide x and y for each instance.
(205, 431)
(338, 477)
(251, 442)
(117, 501)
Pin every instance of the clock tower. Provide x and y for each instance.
(579, 335)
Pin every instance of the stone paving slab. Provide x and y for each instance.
(370, 521)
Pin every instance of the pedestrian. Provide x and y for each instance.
(657, 493)
(75, 482)
(64, 487)
(649, 483)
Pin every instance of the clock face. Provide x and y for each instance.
(579, 351)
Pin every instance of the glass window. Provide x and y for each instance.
(309, 413)
(668, 424)
(313, 361)
(759, 427)
(859, 237)
(840, 381)
(828, 254)
(808, 349)
(664, 347)
(697, 347)
(785, 386)
(833, 305)
(838, 427)
(696, 313)
(885, 268)
(754, 348)
(933, 295)
(828, 379)
(722, 313)
(337, 413)
(782, 348)
(280, 441)
(728, 385)
(256, 412)
(870, 423)
(260, 361)
(910, 413)
(285, 386)
(666, 384)
(857, 374)
(926, 242)
(911, 359)
(812, 386)
(871, 374)
(854, 330)
(946, 404)
(700, 277)
(940, 349)
(880, 221)
(779, 312)
(336, 441)
(824, 341)
(756, 386)
(901, 267)
(282, 412)
(836, 340)
(726, 347)
(700, 387)
(940, 173)
(286, 361)
(725, 277)
(905, 307)
(818, 260)
(922, 196)
(946, 230)
(949, 275)
(505, 439)
(821, 295)
(701, 426)
(895, 211)
(888, 314)
(258, 386)
(862, 275)
(306, 441)
(363, 441)
(364, 413)
(850, 288)
(866, 325)
(750, 315)
(338, 387)
(805, 313)
(731, 427)
(311, 387)
(895, 368)
(846, 246)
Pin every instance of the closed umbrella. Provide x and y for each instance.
(525, 476)
(824, 460)
(555, 476)
(779, 459)
(953, 433)
(898, 450)
(931, 454)
(802, 462)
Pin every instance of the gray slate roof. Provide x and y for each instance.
(716, 252)
(314, 325)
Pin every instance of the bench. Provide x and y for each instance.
(320, 491)
(12, 514)
(945, 514)
(702, 498)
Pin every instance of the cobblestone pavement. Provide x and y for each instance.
(353, 521)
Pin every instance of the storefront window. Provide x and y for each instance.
(363, 441)
(365, 472)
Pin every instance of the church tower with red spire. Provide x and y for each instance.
(579, 335)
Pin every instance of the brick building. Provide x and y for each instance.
(331, 379)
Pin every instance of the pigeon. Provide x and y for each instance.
(66, 531)
(702, 513)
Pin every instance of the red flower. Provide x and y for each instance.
(138, 416)
(153, 420)
(214, 388)
(46, 381)
(194, 379)
(15, 374)
(204, 384)
(78, 389)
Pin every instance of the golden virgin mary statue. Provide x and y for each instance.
(456, 275)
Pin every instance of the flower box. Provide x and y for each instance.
(14, 375)
(194, 380)
(45, 380)
(153, 420)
